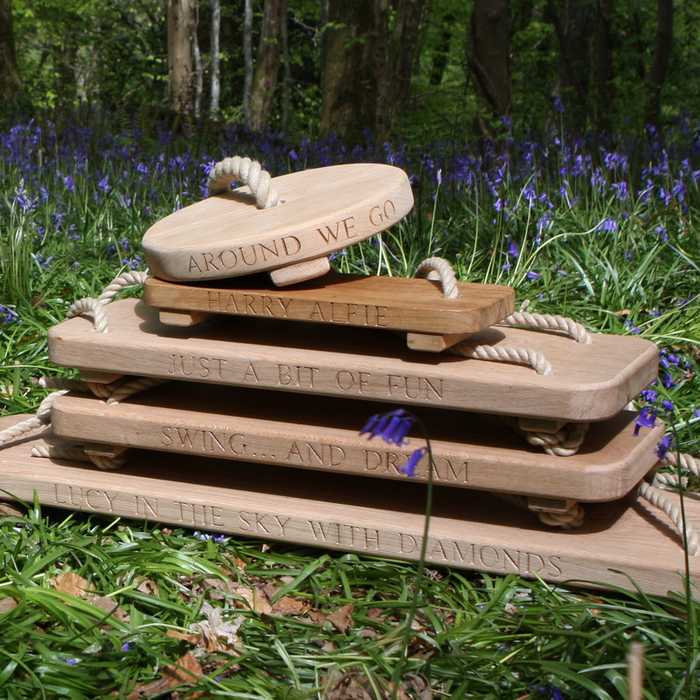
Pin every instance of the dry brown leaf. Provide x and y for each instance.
(256, 599)
(328, 647)
(185, 671)
(72, 584)
(218, 588)
(7, 604)
(368, 633)
(271, 589)
(111, 606)
(149, 587)
(348, 685)
(375, 614)
(341, 618)
(317, 616)
(186, 636)
(287, 605)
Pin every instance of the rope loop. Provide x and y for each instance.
(440, 269)
(247, 171)
(503, 353)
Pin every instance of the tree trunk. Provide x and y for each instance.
(489, 59)
(573, 21)
(267, 63)
(287, 77)
(215, 87)
(348, 78)
(198, 69)
(247, 58)
(180, 33)
(442, 52)
(10, 84)
(662, 55)
(603, 66)
(396, 69)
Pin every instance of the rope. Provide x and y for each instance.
(568, 520)
(440, 269)
(59, 450)
(563, 443)
(659, 500)
(40, 419)
(247, 171)
(131, 387)
(501, 353)
(548, 322)
(107, 463)
(95, 308)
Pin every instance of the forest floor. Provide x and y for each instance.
(607, 236)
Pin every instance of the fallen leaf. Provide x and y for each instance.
(287, 605)
(72, 584)
(367, 633)
(271, 589)
(348, 685)
(317, 616)
(216, 634)
(218, 588)
(148, 587)
(341, 618)
(510, 609)
(111, 606)
(185, 671)
(328, 647)
(375, 614)
(7, 604)
(256, 599)
(186, 636)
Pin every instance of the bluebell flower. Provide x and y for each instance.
(392, 427)
(103, 185)
(409, 469)
(127, 646)
(532, 275)
(664, 445)
(72, 661)
(557, 104)
(507, 266)
(513, 249)
(649, 395)
(668, 405)
(608, 225)
(667, 380)
(69, 183)
(661, 232)
(645, 419)
(23, 200)
(629, 325)
(621, 190)
(142, 169)
(8, 315)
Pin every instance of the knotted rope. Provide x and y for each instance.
(247, 171)
(565, 442)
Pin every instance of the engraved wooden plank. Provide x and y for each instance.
(587, 383)
(471, 451)
(320, 211)
(619, 545)
(347, 300)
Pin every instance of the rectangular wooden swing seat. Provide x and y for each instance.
(588, 382)
(250, 425)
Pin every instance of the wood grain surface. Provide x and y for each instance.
(470, 450)
(347, 300)
(621, 544)
(588, 382)
(321, 210)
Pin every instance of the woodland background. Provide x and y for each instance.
(416, 69)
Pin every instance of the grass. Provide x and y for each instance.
(476, 635)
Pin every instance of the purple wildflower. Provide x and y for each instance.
(664, 445)
(103, 185)
(72, 661)
(409, 469)
(661, 232)
(507, 266)
(557, 104)
(645, 419)
(392, 427)
(69, 183)
(608, 225)
(513, 249)
(127, 646)
(533, 276)
(649, 395)
(668, 405)
(8, 315)
(293, 155)
(667, 380)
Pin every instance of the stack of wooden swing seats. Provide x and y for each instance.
(254, 431)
